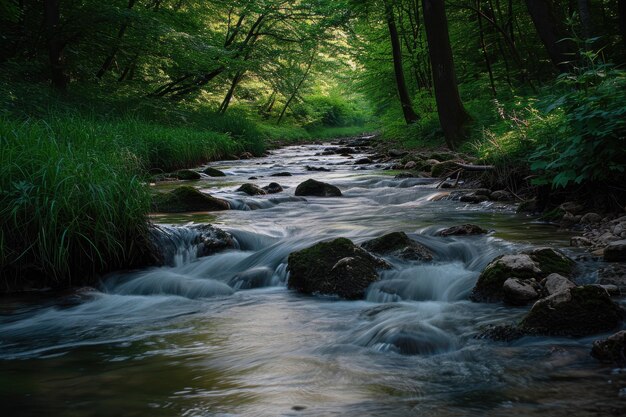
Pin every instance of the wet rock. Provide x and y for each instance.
(281, 174)
(317, 169)
(273, 188)
(315, 188)
(362, 161)
(482, 191)
(396, 153)
(611, 349)
(611, 290)
(251, 189)
(537, 264)
(501, 195)
(501, 333)
(520, 292)
(346, 150)
(400, 245)
(615, 251)
(591, 218)
(473, 198)
(213, 172)
(205, 239)
(337, 267)
(555, 283)
(252, 278)
(579, 311)
(462, 230)
(528, 206)
(246, 155)
(187, 199)
(186, 175)
(613, 274)
(443, 168)
(580, 242)
(253, 178)
(443, 156)
(571, 207)
(410, 165)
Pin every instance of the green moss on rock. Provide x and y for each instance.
(398, 244)
(187, 199)
(186, 175)
(580, 311)
(337, 267)
(213, 172)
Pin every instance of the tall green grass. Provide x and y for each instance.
(69, 207)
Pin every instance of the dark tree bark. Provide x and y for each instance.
(452, 114)
(55, 44)
(621, 9)
(231, 92)
(403, 92)
(585, 17)
(108, 61)
(295, 91)
(483, 46)
(551, 33)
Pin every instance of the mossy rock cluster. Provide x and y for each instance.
(400, 245)
(579, 311)
(187, 199)
(336, 267)
(537, 264)
(443, 168)
(186, 175)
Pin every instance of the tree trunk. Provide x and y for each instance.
(484, 48)
(295, 91)
(621, 7)
(403, 92)
(52, 17)
(551, 33)
(452, 114)
(585, 17)
(231, 92)
(108, 61)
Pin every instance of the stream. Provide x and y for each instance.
(208, 337)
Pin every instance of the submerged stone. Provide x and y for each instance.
(462, 230)
(186, 199)
(273, 188)
(336, 267)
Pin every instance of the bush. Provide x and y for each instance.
(590, 145)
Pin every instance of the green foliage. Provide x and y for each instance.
(590, 144)
(69, 207)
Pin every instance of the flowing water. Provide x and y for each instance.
(223, 336)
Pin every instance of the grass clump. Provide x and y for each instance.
(68, 209)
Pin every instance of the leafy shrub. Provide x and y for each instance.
(590, 145)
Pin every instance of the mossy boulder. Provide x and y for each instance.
(537, 263)
(611, 349)
(315, 188)
(579, 311)
(186, 175)
(443, 168)
(251, 189)
(462, 230)
(213, 172)
(400, 245)
(187, 199)
(336, 267)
